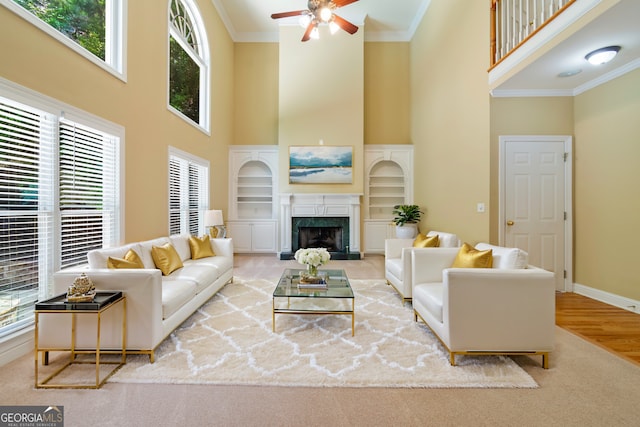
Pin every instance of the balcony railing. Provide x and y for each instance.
(513, 22)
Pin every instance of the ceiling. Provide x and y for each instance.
(250, 20)
(618, 25)
(527, 72)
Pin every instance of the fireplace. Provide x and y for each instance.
(320, 220)
(331, 233)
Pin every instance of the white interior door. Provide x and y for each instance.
(535, 203)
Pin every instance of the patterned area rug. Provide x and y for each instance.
(229, 340)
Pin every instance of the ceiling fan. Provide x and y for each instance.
(321, 11)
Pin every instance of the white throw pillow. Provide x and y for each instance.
(447, 240)
(98, 258)
(145, 250)
(506, 258)
(181, 244)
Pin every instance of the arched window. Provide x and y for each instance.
(188, 63)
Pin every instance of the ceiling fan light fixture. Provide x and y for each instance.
(325, 14)
(602, 55)
(315, 34)
(333, 27)
(320, 12)
(304, 21)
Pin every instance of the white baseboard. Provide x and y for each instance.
(607, 297)
(16, 346)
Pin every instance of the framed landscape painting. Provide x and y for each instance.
(320, 164)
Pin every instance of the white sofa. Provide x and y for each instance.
(397, 260)
(156, 304)
(508, 309)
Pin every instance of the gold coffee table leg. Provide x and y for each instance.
(353, 317)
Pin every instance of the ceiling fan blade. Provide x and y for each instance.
(340, 3)
(288, 14)
(345, 25)
(307, 33)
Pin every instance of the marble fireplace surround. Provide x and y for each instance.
(320, 205)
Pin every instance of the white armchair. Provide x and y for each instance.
(397, 260)
(480, 311)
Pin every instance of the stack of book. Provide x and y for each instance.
(313, 286)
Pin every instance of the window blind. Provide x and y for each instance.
(188, 194)
(59, 198)
(26, 210)
(88, 200)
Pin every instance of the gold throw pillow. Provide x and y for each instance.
(200, 247)
(470, 257)
(423, 241)
(166, 258)
(130, 260)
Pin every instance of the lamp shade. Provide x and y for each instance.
(213, 218)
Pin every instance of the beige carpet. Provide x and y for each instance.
(229, 341)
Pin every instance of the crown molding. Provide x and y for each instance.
(530, 93)
(611, 75)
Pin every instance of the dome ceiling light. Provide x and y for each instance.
(602, 55)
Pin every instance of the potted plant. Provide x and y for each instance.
(406, 219)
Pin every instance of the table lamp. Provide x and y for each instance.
(213, 219)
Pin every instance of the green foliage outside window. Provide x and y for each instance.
(83, 21)
(184, 82)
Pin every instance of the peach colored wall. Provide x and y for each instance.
(386, 93)
(450, 117)
(33, 59)
(607, 194)
(321, 98)
(256, 72)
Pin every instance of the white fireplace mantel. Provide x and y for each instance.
(319, 205)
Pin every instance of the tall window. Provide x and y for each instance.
(188, 63)
(93, 28)
(88, 188)
(188, 193)
(59, 198)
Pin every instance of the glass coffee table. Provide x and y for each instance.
(335, 298)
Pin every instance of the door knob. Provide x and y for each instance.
(510, 223)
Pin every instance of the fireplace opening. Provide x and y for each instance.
(321, 237)
(331, 233)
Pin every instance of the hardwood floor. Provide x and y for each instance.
(612, 328)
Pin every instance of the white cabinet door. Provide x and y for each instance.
(375, 233)
(264, 237)
(240, 232)
(255, 236)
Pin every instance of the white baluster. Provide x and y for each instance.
(503, 32)
(521, 36)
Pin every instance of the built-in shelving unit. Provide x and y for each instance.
(388, 182)
(386, 189)
(253, 213)
(254, 197)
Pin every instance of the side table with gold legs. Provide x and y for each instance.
(103, 301)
